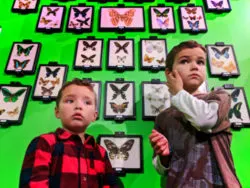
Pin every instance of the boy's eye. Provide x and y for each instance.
(201, 62)
(87, 102)
(184, 61)
(69, 101)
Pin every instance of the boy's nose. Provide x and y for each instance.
(194, 65)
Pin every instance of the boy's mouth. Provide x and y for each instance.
(194, 75)
(77, 116)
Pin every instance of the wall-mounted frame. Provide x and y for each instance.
(192, 19)
(51, 18)
(153, 53)
(80, 19)
(25, 6)
(239, 114)
(124, 151)
(222, 60)
(121, 19)
(13, 101)
(88, 54)
(119, 100)
(120, 54)
(155, 98)
(103, 1)
(23, 58)
(217, 6)
(162, 19)
(49, 80)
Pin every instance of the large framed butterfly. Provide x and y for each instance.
(88, 54)
(222, 60)
(80, 19)
(13, 102)
(162, 19)
(23, 58)
(25, 6)
(153, 53)
(119, 100)
(124, 151)
(192, 19)
(122, 19)
(123, 50)
(49, 80)
(217, 6)
(51, 19)
(155, 98)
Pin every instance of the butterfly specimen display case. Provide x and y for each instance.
(23, 58)
(124, 152)
(222, 60)
(49, 80)
(119, 100)
(88, 54)
(217, 6)
(153, 53)
(120, 54)
(13, 102)
(25, 6)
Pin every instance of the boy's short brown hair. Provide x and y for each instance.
(176, 49)
(79, 82)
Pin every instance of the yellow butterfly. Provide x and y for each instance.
(216, 63)
(14, 112)
(230, 68)
(44, 21)
(148, 59)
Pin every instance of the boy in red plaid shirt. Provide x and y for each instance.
(68, 157)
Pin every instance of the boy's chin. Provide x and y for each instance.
(76, 128)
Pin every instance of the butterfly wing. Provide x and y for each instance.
(115, 17)
(112, 148)
(124, 46)
(7, 95)
(127, 146)
(93, 44)
(157, 12)
(217, 52)
(76, 12)
(48, 72)
(27, 50)
(225, 53)
(84, 12)
(55, 72)
(114, 107)
(2, 111)
(230, 67)
(123, 107)
(119, 47)
(236, 110)
(127, 18)
(19, 50)
(91, 58)
(116, 90)
(123, 89)
(235, 94)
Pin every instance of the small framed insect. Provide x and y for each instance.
(80, 18)
(153, 53)
(217, 6)
(192, 19)
(121, 54)
(124, 152)
(23, 58)
(13, 102)
(222, 60)
(25, 6)
(88, 54)
(49, 80)
(119, 100)
(51, 18)
(162, 19)
(122, 19)
(155, 98)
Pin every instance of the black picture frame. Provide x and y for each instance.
(119, 105)
(13, 102)
(25, 7)
(121, 55)
(192, 19)
(153, 52)
(23, 58)
(51, 18)
(217, 6)
(88, 54)
(80, 18)
(121, 26)
(222, 60)
(49, 80)
(103, 1)
(162, 19)
(127, 160)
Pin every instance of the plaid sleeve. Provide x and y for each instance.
(35, 169)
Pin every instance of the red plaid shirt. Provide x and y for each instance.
(59, 159)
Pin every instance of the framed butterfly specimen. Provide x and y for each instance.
(121, 54)
(23, 58)
(124, 152)
(49, 80)
(153, 53)
(51, 19)
(13, 102)
(88, 54)
(119, 100)
(192, 19)
(155, 98)
(25, 6)
(222, 60)
(162, 19)
(80, 18)
(217, 6)
(122, 19)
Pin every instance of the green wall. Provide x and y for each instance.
(230, 28)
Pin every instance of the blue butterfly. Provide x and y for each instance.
(50, 72)
(20, 65)
(223, 52)
(194, 26)
(235, 94)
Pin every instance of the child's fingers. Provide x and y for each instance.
(156, 138)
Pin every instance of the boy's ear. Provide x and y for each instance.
(57, 112)
(167, 71)
(95, 116)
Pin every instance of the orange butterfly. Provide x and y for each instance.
(148, 59)
(191, 10)
(44, 21)
(14, 112)
(216, 63)
(160, 61)
(25, 5)
(230, 68)
(55, 82)
(127, 17)
(43, 82)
